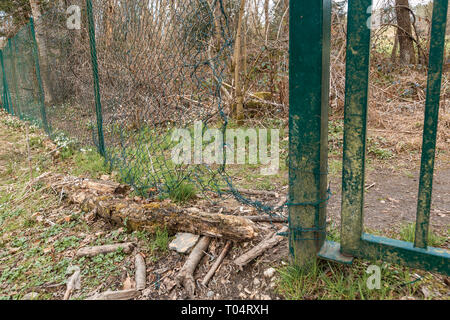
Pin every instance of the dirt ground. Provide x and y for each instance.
(392, 200)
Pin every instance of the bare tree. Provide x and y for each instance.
(42, 48)
(404, 32)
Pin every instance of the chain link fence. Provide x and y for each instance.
(123, 78)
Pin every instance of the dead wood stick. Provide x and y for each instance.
(216, 264)
(266, 219)
(73, 283)
(29, 151)
(116, 295)
(186, 275)
(259, 192)
(93, 251)
(269, 242)
(370, 186)
(141, 272)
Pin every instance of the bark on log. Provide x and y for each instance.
(109, 201)
(271, 241)
(105, 187)
(93, 251)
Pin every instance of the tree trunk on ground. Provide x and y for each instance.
(406, 43)
(109, 200)
(42, 49)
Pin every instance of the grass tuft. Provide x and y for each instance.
(183, 193)
(408, 233)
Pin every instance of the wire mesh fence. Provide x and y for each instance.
(124, 78)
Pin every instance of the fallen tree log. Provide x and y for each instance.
(112, 204)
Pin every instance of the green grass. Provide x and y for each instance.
(183, 192)
(156, 244)
(408, 232)
(36, 242)
(89, 162)
(325, 280)
(332, 281)
(161, 241)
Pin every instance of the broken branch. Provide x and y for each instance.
(141, 272)
(186, 275)
(93, 251)
(216, 264)
(268, 243)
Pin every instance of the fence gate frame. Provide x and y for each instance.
(310, 27)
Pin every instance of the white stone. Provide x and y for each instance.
(184, 242)
(269, 273)
(31, 296)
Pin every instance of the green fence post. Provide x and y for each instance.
(2, 88)
(5, 96)
(437, 45)
(310, 27)
(39, 79)
(98, 105)
(11, 103)
(355, 133)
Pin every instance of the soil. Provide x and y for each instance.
(391, 201)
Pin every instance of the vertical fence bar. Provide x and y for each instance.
(10, 78)
(310, 27)
(5, 95)
(98, 105)
(355, 133)
(39, 79)
(437, 45)
(1, 82)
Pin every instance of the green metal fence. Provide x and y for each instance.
(310, 56)
(124, 81)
